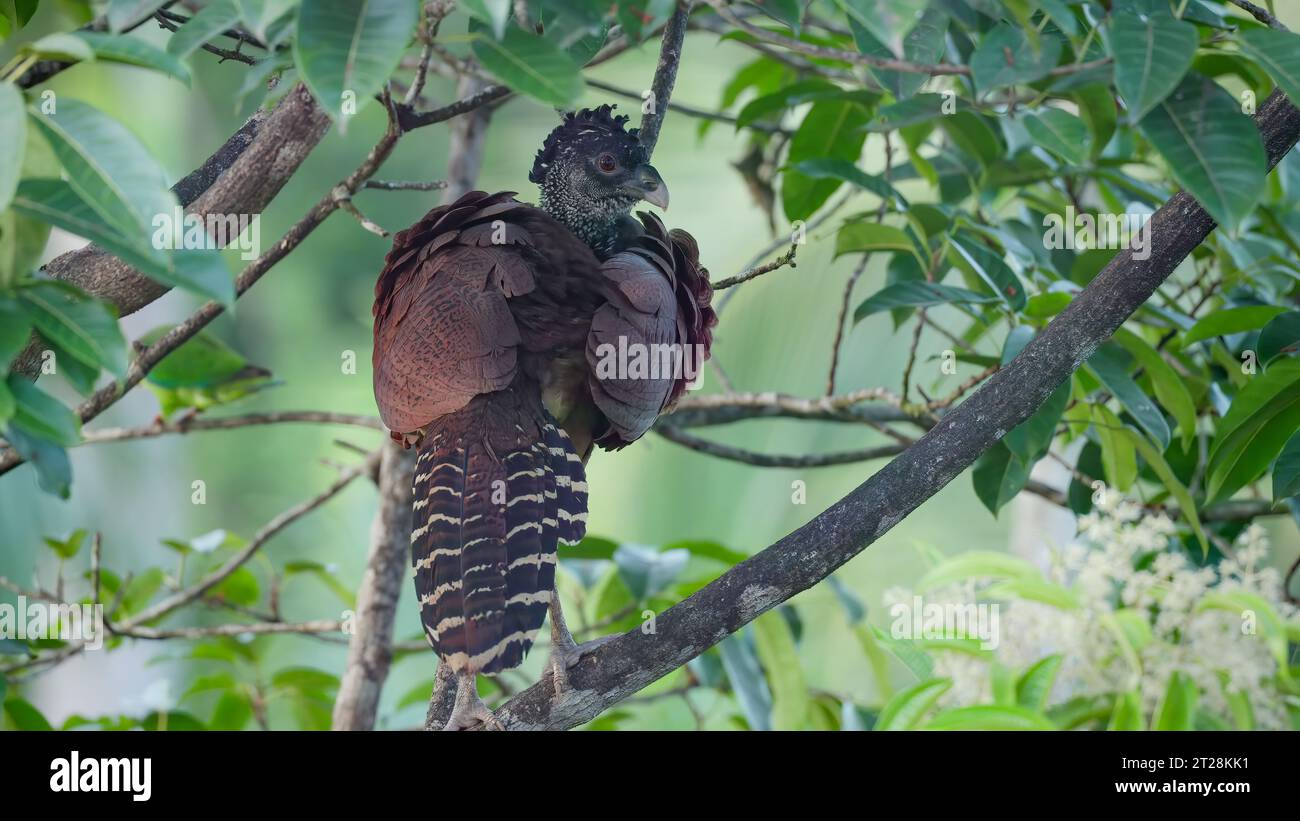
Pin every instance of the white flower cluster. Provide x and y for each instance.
(1140, 619)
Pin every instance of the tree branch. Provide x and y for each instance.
(633, 660)
(661, 87)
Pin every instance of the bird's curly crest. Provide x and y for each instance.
(598, 123)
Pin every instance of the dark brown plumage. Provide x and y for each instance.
(490, 317)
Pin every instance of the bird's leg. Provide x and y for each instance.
(565, 652)
(470, 709)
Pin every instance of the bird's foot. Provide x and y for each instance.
(566, 656)
(470, 711)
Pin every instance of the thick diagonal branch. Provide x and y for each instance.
(627, 664)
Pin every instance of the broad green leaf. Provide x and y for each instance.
(908, 652)
(1281, 336)
(1118, 454)
(40, 414)
(998, 476)
(263, 16)
(904, 710)
(13, 136)
(1170, 389)
(1038, 590)
(919, 109)
(82, 326)
(532, 65)
(1110, 365)
(830, 129)
(1061, 133)
(53, 470)
(211, 20)
(231, 713)
(887, 20)
(7, 405)
(1278, 52)
(977, 564)
(61, 46)
(1231, 321)
(118, 48)
(15, 329)
(974, 134)
(1186, 505)
(1035, 685)
(917, 295)
(1177, 710)
(776, 650)
(976, 258)
(1213, 149)
(67, 548)
(647, 571)
(747, 683)
(202, 271)
(1152, 50)
(346, 51)
(109, 169)
(23, 716)
(496, 13)
(1127, 715)
(848, 172)
(989, 717)
(865, 237)
(1098, 110)
(1030, 440)
(1263, 416)
(924, 44)
(1006, 56)
(1286, 470)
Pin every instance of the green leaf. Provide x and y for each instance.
(40, 414)
(925, 44)
(910, 294)
(919, 109)
(1061, 133)
(864, 236)
(848, 172)
(1110, 365)
(1231, 321)
(830, 129)
(977, 564)
(13, 136)
(305, 680)
(1253, 432)
(53, 470)
(1127, 715)
(978, 259)
(1278, 53)
(775, 646)
(67, 548)
(989, 717)
(905, 709)
(15, 330)
(1186, 506)
(1244, 604)
(82, 326)
(109, 169)
(1286, 470)
(532, 65)
(1214, 150)
(1170, 389)
(747, 683)
(1152, 50)
(1177, 710)
(211, 20)
(647, 571)
(60, 46)
(23, 716)
(231, 713)
(346, 51)
(1032, 589)
(1006, 56)
(1281, 336)
(1030, 440)
(1118, 454)
(1098, 110)
(117, 48)
(1035, 684)
(998, 476)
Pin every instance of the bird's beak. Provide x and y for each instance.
(650, 186)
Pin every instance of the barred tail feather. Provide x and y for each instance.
(498, 486)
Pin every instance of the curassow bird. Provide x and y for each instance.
(495, 324)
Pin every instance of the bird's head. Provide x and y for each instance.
(592, 171)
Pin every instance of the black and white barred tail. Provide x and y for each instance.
(498, 486)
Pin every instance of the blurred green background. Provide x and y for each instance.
(312, 308)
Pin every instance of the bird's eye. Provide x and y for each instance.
(606, 163)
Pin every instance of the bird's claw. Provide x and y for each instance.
(565, 657)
